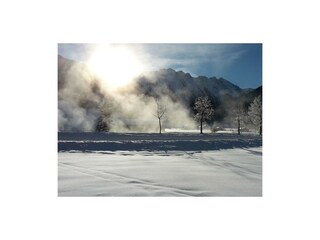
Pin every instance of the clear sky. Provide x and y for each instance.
(241, 64)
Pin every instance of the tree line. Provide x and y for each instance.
(203, 113)
(241, 116)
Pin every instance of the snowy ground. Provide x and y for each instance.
(153, 165)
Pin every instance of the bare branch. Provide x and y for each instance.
(160, 112)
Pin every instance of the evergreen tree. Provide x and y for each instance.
(103, 122)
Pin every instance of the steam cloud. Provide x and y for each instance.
(82, 96)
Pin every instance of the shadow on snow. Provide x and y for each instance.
(87, 142)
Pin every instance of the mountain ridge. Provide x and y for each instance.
(197, 86)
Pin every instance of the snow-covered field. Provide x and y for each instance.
(110, 164)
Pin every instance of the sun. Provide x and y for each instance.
(115, 65)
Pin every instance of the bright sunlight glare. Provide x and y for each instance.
(115, 65)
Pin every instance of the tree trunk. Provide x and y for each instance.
(260, 130)
(159, 125)
(201, 126)
(238, 126)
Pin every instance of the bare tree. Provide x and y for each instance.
(204, 110)
(161, 110)
(238, 114)
(255, 113)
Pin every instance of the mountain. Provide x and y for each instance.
(168, 81)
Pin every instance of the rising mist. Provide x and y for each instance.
(83, 97)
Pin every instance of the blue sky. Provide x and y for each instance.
(241, 64)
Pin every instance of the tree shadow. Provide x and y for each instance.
(154, 142)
